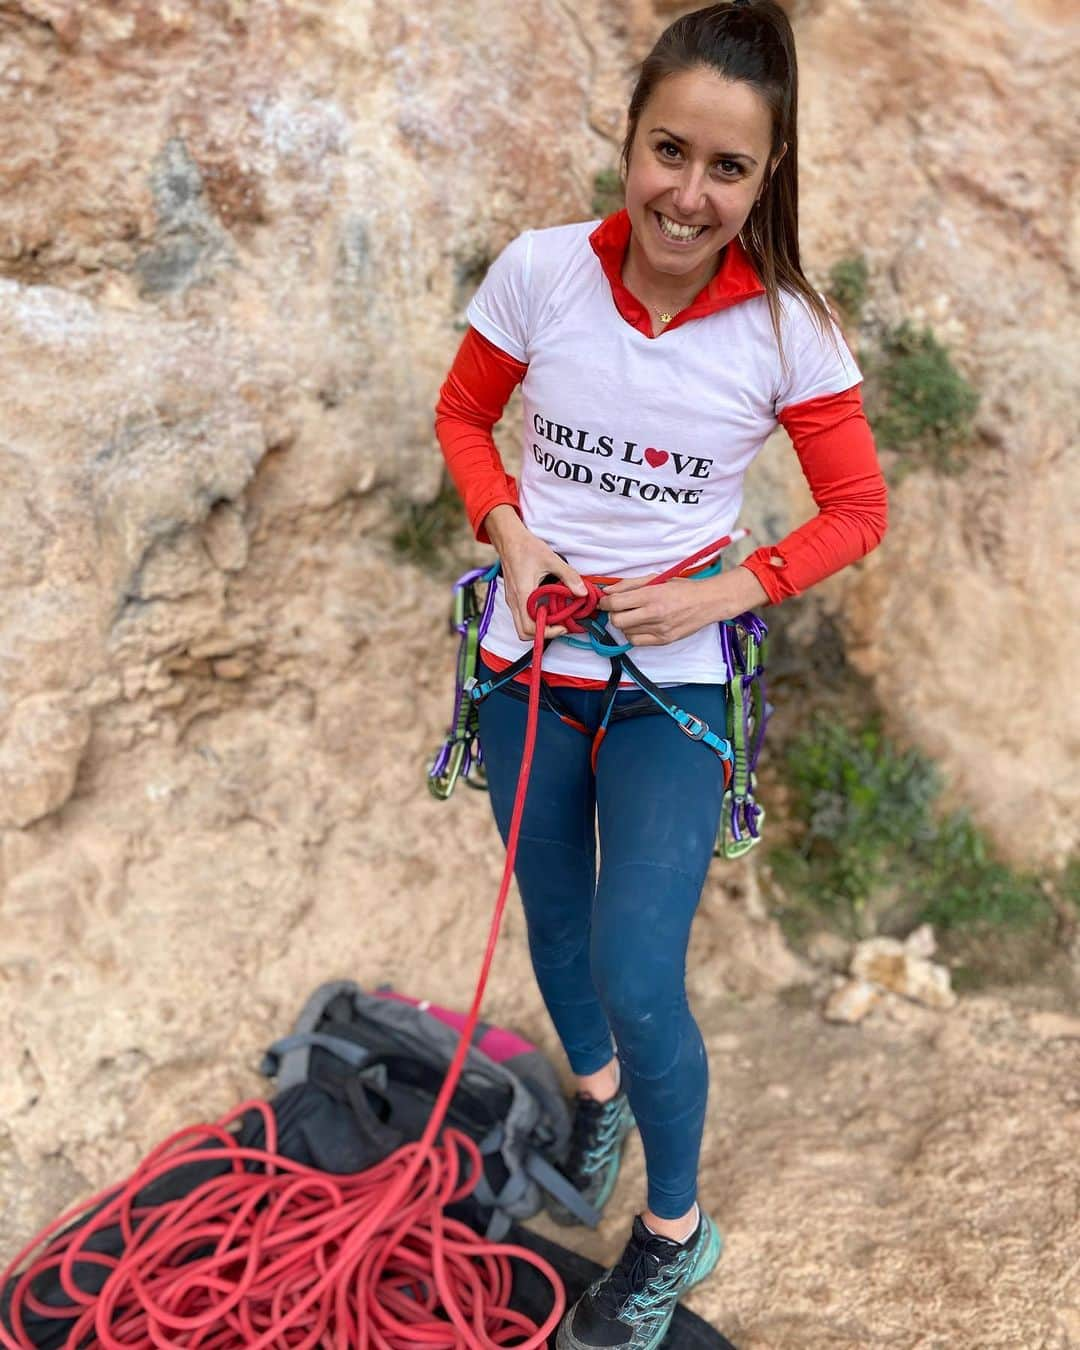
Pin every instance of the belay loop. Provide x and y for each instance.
(742, 643)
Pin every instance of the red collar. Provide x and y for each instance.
(736, 278)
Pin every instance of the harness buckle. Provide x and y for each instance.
(694, 727)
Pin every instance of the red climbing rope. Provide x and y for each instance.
(287, 1255)
(284, 1255)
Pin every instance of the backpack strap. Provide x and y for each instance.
(272, 1066)
(553, 1181)
(293, 1065)
(510, 1195)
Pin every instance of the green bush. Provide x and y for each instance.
(921, 404)
(872, 842)
(427, 531)
(848, 284)
(1070, 883)
(607, 192)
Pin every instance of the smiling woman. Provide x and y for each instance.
(656, 350)
(688, 193)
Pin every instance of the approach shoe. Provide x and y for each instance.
(597, 1137)
(630, 1307)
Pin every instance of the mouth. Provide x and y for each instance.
(674, 233)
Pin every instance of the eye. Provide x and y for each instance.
(662, 147)
(735, 165)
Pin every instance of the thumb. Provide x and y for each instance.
(573, 580)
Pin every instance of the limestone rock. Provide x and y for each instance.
(921, 942)
(828, 949)
(39, 757)
(851, 1000)
(887, 962)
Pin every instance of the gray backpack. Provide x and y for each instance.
(378, 1060)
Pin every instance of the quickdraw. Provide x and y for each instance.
(460, 753)
(743, 645)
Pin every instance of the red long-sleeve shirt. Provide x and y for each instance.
(830, 435)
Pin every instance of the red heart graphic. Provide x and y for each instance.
(656, 457)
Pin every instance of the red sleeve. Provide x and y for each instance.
(835, 446)
(471, 401)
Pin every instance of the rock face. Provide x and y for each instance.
(907, 110)
(236, 240)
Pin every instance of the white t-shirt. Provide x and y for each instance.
(635, 447)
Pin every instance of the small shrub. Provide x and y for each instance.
(607, 193)
(1070, 883)
(971, 888)
(871, 835)
(848, 284)
(922, 405)
(469, 272)
(427, 531)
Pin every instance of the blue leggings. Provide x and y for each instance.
(609, 949)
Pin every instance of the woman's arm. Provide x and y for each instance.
(836, 450)
(835, 446)
(471, 401)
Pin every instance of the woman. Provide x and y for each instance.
(657, 350)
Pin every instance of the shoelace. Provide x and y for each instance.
(592, 1135)
(639, 1267)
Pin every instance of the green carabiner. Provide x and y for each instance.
(442, 786)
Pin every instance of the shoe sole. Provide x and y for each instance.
(566, 1218)
(705, 1265)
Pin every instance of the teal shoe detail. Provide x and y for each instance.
(598, 1136)
(630, 1306)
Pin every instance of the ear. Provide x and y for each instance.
(779, 157)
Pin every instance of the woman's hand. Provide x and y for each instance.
(652, 616)
(526, 561)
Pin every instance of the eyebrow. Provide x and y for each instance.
(720, 154)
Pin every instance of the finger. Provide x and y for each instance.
(569, 577)
(515, 613)
(629, 584)
(628, 603)
(523, 625)
(637, 628)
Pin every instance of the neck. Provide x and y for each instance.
(657, 288)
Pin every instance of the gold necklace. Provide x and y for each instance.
(666, 315)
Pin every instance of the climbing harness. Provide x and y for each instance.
(742, 644)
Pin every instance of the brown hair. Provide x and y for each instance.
(752, 41)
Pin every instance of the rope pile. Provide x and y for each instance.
(276, 1254)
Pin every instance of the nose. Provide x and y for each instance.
(689, 195)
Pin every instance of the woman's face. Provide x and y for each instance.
(698, 159)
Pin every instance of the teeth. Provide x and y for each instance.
(675, 231)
